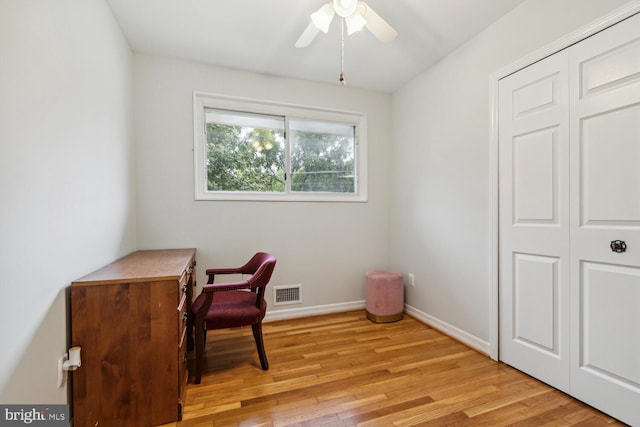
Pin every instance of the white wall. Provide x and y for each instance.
(441, 226)
(326, 247)
(66, 185)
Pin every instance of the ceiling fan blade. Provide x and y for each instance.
(307, 36)
(378, 26)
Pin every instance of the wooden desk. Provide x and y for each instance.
(130, 318)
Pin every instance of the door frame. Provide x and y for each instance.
(604, 22)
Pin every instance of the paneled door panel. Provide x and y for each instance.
(534, 221)
(614, 356)
(610, 166)
(535, 172)
(535, 297)
(605, 197)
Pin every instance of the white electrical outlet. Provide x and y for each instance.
(62, 374)
(411, 279)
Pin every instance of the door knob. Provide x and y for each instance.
(618, 246)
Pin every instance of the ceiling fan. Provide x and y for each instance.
(356, 14)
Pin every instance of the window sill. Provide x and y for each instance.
(271, 197)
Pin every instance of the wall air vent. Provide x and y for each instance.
(289, 294)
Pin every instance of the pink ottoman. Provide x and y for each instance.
(385, 296)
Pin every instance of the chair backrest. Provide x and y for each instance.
(261, 267)
(255, 262)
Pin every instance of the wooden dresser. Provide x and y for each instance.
(130, 318)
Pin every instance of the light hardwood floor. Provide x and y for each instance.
(343, 370)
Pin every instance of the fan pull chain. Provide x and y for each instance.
(341, 78)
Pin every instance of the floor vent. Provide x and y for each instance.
(289, 294)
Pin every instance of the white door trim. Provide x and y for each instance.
(606, 21)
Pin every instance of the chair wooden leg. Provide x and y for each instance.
(199, 345)
(257, 335)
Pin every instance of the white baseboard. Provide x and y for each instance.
(464, 337)
(312, 311)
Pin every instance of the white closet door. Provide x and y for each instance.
(534, 221)
(605, 202)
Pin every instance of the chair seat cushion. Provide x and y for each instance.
(231, 309)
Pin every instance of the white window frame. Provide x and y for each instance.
(203, 100)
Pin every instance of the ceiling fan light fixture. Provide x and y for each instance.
(355, 22)
(322, 17)
(345, 8)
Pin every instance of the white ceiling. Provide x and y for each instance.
(259, 35)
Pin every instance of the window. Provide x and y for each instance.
(252, 150)
(244, 152)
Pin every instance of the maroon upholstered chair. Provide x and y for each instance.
(229, 305)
